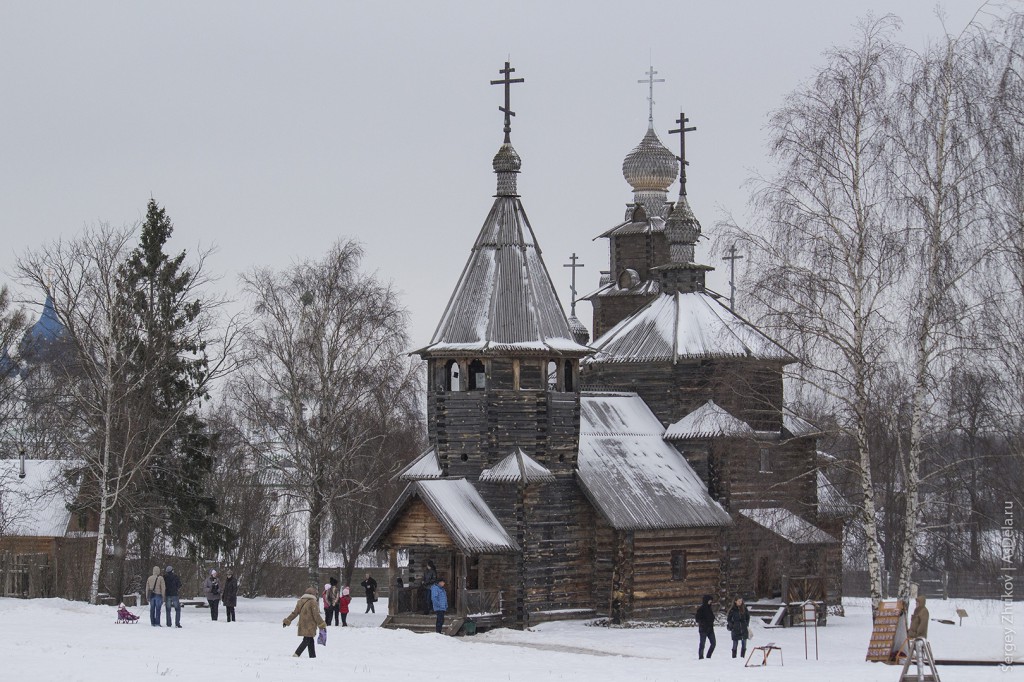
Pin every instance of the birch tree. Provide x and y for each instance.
(823, 250)
(939, 175)
(327, 352)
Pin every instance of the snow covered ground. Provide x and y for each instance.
(53, 638)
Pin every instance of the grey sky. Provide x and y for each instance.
(272, 129)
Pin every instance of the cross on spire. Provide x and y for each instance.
(507, 81)
(573, 265)
(732, 258)
(683, 163)
(651, 80)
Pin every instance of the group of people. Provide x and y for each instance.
(737, 621)
(162, 589)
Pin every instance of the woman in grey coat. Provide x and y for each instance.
(211, 590)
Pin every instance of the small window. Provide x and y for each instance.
(679, 564)
(477, 376)
(552, 375)
(766, 461)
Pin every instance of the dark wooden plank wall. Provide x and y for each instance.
(655, 594)
(749, 390)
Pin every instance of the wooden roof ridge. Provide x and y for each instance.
(710, 420)
(517, 467)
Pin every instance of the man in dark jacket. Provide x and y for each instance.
(370, 585)
(229, 596)
(429, 578)
(172, 583)
(706, 626)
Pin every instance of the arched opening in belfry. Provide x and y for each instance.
(477, 376)
(552, 372)
(451, 376)
(569, 379)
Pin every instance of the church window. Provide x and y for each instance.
(552, 375)
(451, 376)
(766, 461)
(678, 562)
(477, 376)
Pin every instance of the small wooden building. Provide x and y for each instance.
(45, 550)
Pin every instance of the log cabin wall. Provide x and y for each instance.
(602, 542)
(668, 571)
(558, 560)
(638, 251)
(833, 560)
(749, 390)
(610, 310)
(789, 480)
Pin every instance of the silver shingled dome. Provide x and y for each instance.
(650, 166)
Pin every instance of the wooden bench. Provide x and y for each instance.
(765, 652)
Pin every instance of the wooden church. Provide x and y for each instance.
(625, 478)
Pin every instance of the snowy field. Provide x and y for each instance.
(57, 639)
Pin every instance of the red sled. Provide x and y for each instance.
(124, 616)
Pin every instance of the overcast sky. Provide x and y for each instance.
(272, 129)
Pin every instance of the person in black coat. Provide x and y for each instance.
(739, 625)
(429, 578)
(172, 584)
(229, 596)
(706, 626)
(370, 585)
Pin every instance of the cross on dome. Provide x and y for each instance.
(683, 163)
(651, 80)
(507, 81)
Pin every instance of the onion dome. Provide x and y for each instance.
(579, 332)
(650, 166)
(650, 169)
(682, 229)
(506, 164)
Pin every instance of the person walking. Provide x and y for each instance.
(706, 626)
(229, 597)
(308, 613)
(439, 600)
(738, 621)
(370, 586)
(172, 583)
(211, 590)
(342, 606)
(155, 590)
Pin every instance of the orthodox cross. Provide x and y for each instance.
(507, 109)
(732, 258)
(683, 163)
(651, 80)
(573, 265)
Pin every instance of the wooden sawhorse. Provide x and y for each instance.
(765, 652)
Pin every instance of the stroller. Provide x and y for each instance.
(125, 616)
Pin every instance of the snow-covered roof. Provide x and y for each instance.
(460, 510)
(505, 300)
(788, 526)
(684, 326)
(634, 478)
(831, 503)
(630, 226)
(425, 466)
(518, 467)
(797, 426)
(708, 421)
(34, 506)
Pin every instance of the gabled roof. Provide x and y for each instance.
(798, 427)
(634, 478)
(831, 503)
(708, 421)
(684, 326)
(34, 506)
(788, 526)
(460, 510)
(426, 466)
(518, 467)
(630, 226)
(504, 301)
